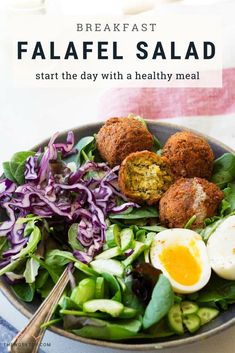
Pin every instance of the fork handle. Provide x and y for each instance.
(28, 340)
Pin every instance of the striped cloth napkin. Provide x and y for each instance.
(7, 333)
(158, 103)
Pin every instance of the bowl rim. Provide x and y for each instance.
(21, 306)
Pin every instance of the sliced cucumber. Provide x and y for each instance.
(175, 319)
(108, 254)
(149, 238)
(127, 237)
(140, 235)
(138, 249)
(99, 288)
(113, 267)
(108, 306)
(192, 322)
(207, 314)
(84, 291)
(85, 268)
(112, 236)
(188, 307)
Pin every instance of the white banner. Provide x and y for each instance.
(169, 51)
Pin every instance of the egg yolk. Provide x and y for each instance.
(181, 265)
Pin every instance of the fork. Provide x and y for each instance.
(28, 340)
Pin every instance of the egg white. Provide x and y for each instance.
(221, 249)
(182, 237)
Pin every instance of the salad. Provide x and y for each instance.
(135, 271)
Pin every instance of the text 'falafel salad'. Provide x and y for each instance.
(146, 226)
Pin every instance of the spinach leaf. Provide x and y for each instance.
(20, 157)
(87, 144)
(224, 208)
(77, 311)
(72, 237)
(54, 273)
(85, 147)
(114, 286)
(218, 289)
(59, 258)
(190, 222)
(19, 258)
(11, 266)
(155, 228)
(51, 322)
(229, 196)
(227, 209)
(3, 245)
(19, 173)
(161, 301)
(31, 270)
(7, 171)
(160, 329)
(29, 218)
(107, 330)
(224, 170)
(208, 230)
(212, 224)
(24, 291)
(15, 168)
(137, 213)
(46, 288)
(41, 278)
(156, 144)
(31, 246)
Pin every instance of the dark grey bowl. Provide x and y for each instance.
(225, 320)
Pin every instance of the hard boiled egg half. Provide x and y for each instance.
(182, 256)
(221, 249)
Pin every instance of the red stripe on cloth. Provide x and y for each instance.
(158, 103)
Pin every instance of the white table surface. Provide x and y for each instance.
(30, 115)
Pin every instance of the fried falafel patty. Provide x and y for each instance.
(144, 177)
(119, 137)
(189, 155)
(188, 197)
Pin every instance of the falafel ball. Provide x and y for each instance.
(119, 137)
(189, 155)
(188, 197)
(144, 177)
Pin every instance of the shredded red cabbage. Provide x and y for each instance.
(85, 196)
(6, 187)
(129, 252)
